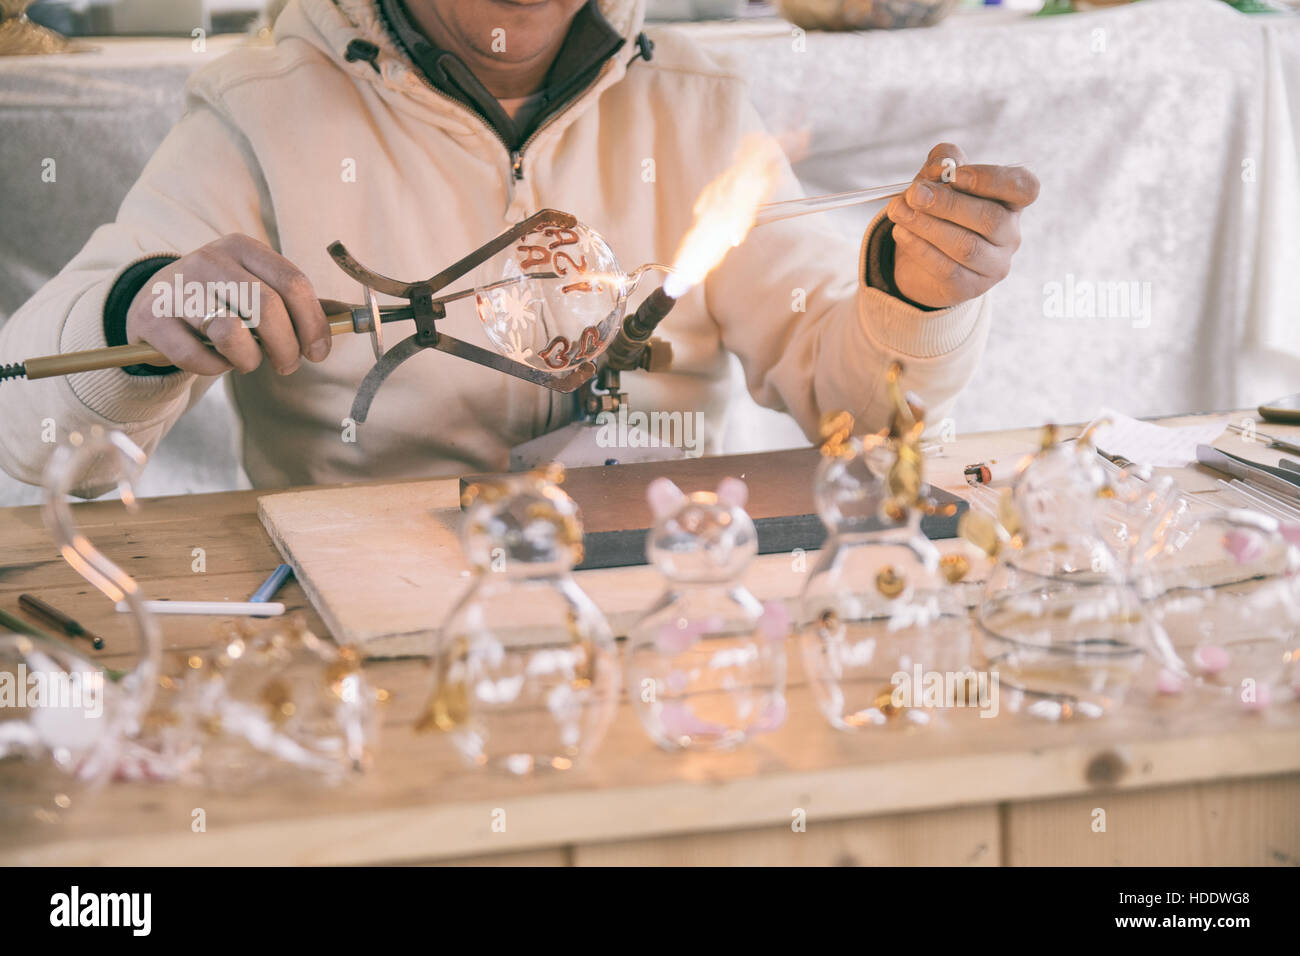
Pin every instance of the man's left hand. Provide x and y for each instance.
(957, 227)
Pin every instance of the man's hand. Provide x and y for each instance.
(290, 322)
(957, 227)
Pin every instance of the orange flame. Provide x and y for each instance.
(725, 212)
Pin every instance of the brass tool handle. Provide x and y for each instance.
(142, 353)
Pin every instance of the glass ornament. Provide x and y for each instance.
(66, 720)
(1227, 605)
(270, 704)
(706, 662)
(1061, 621)
(884, 633)
(526, 674)
(557, 323)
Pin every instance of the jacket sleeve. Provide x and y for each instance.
(792, 303)
(201, 184)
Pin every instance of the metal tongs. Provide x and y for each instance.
(426, 310)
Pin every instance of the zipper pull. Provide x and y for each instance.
(517, 164)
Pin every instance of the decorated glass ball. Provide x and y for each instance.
(557, 323)
(526, 673)
(706, 664)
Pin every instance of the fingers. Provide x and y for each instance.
(990, 219)
(184, 349)
(951, 280)
(292, 295)
(941, 165)
(273, 311)
(959, 244)
(1014, 186)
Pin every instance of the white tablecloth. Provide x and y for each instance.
(1166, 135)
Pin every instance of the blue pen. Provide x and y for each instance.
(272, 584)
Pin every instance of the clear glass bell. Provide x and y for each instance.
(1061, 621)
(885, 638)
(66, 719)
(554, 323)
(526, 673)
(706, 662)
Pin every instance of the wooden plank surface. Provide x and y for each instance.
(421, 804)
(1227, 823)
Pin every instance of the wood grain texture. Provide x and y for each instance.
(1225, 823)
(963, 837)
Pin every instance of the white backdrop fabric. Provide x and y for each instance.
(1160, 270)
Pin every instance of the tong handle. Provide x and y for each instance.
(142, 353)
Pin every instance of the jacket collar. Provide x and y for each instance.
(331, 25)
(590, 42)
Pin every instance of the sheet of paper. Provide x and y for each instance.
(1155, 445)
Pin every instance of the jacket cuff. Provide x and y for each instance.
(127, 285)
(896, 323)
(878, 258)
(118, 397)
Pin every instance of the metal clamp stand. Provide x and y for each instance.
(426, 310)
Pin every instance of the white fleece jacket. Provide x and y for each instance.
(261, 150)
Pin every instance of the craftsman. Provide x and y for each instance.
(414, 131)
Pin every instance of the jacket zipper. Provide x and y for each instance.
(516, 156)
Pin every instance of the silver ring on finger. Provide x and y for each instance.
(209, 319)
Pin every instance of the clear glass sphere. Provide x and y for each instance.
(553, 324)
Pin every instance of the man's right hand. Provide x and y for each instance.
(290, 323)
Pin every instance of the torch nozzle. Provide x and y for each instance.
(624, 354)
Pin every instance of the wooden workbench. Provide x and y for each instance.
(1177, 786)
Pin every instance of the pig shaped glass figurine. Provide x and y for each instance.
(706, 663)
(526, 673)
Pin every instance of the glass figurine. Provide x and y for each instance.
(1060, 621)
(1227, 606)
(270, 704)
(64, 719)
(885, 635)
(526, 673)
(706, 663)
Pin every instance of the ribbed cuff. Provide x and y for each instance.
(897, 324)
(112, 393)
(118, 304)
